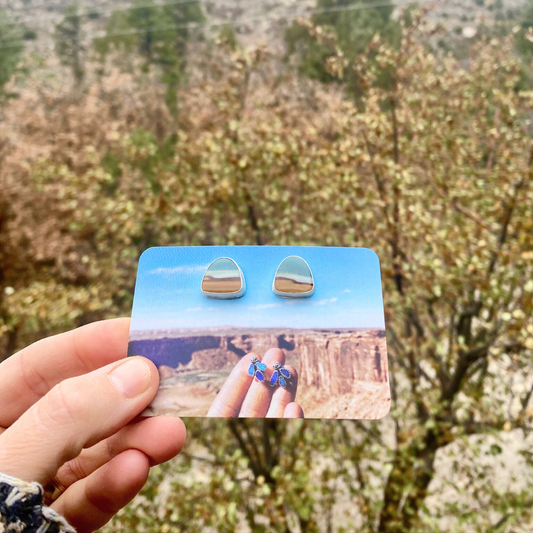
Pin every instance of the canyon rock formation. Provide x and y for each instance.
(332, 361)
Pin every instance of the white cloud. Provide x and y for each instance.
(326, 301)
(263, 306)
(346, 290)
(185, 269)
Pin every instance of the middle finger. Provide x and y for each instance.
(259, 394)
(159, 438)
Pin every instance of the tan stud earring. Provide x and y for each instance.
(223, 280)
(293, 279)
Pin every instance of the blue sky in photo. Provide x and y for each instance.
(168, 291)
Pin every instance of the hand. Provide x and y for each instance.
(67, 411)
(242, 395)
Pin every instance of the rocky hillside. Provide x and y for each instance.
(332, 361)
(253, 21)
(335, 362)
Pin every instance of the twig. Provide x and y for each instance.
(456, 205)
(508, 210)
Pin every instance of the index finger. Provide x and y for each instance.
(31, 373)
(229, 400)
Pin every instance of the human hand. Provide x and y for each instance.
(243, 396)
(68, 408)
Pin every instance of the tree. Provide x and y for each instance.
(524, 41)
(68, 38)
(159, 34)
(457, 264)
(434, 172)
(344, 25)
(11, 45)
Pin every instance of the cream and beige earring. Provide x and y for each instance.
(293, 279)
(223, 280)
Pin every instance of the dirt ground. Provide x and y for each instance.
(192, 396)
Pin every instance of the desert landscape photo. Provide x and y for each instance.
(342, 373)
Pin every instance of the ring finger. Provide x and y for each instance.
(91, 502)
(283, 396)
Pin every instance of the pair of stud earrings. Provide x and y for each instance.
(224, 280)
(280, 375)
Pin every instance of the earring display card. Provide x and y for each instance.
(304, 340)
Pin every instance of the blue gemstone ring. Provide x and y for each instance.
(257, 369)
(280, 376)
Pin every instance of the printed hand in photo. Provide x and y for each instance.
(242, 395)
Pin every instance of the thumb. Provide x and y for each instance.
(75, 414)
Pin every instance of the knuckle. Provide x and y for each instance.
(34, 381)
(111, 447)
(71, 472)
(62, 405)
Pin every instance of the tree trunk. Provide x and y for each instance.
(407, 485)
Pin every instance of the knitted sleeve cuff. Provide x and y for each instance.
(22, 509)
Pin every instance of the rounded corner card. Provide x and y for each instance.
(263, 331)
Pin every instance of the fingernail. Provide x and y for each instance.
(131, 378)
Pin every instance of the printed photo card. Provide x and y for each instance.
(263, 331)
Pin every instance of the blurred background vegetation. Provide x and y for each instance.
(403, 128)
